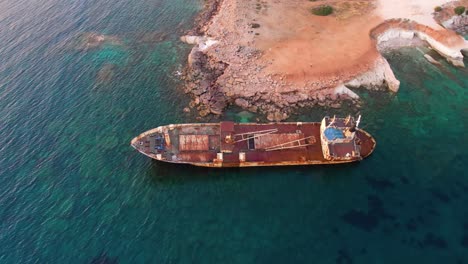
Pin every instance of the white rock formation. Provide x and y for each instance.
(375, 77)
(343, 90)
(453, 54)
(202, 42)
(394, 33)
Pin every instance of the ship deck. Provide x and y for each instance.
(262, 144)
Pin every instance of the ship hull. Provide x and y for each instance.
(258, 144)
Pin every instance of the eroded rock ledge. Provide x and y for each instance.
(220, 73)
(445, 42)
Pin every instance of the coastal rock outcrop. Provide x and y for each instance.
(378, 77)
(431, 60)
(343, 90)
(448, 19)
(201, 76)
(447, 43)
(457, 23)
(202, 42)
(234, 62)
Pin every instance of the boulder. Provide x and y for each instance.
(204, 112)
(276, 116)
(241, 102)
(217, 107)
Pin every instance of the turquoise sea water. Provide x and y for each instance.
(72, 190)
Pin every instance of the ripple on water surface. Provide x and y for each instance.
(73, 191)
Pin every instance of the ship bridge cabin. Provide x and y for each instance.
(338, 137)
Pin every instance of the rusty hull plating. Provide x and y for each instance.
(229, 144)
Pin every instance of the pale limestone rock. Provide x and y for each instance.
(193, 40)
(202, 42)
(354, 83)
(452, 54)
(395, 34)
(431, 60)
(374, 78)
(392, 82)
(341, 89)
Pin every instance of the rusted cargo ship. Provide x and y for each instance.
(228, 144)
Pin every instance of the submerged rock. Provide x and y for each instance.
(105, 74)
(431, 60)
(91, 40)
(152, 37)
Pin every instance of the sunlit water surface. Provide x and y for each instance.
(72, 190)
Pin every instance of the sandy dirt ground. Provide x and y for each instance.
(302, 47)
(416, 10)
(295, 45)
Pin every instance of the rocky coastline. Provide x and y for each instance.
(222, 72)
(447, 43)
(447, 18)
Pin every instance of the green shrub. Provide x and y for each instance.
(254, 25)
(459, 10)
(323, 10)
(437, 9)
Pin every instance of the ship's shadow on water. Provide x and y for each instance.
(169, 173)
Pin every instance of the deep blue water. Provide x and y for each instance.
(72, 190)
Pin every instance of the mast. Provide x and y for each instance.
(332, 121)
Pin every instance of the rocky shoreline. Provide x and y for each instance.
(209, 10)
(447, 43)
(220, 73)
(448, 19)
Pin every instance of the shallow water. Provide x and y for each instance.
(73, 191)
